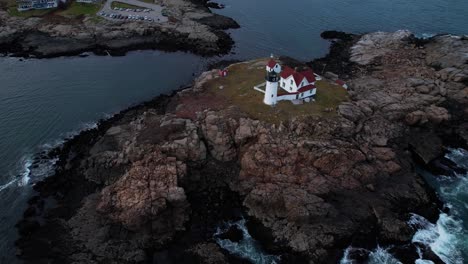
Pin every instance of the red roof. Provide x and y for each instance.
(340, 82)
(286, 72)
(309, 74)
(298, 76)
(302, 90)
(306, 88)
(271, 63)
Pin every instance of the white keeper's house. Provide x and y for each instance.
(287, 84)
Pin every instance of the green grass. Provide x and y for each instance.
(116, 4)
(238, 90)
(147, 1)
(78, 9)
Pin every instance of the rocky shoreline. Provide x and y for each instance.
(192, 27)
(151, 184)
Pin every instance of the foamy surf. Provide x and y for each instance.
(23, 177)
(440, 237)
(379, 255)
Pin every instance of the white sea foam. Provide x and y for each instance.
(26, 171)
(247, 248)
(459, 156)
(378, 256)
(381, 256)
(441, 237)
(346, 259)
(425, 35)
(23, 176)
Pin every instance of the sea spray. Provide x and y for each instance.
(247, 248)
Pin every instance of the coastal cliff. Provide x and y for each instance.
(154, 182)
(191, 27)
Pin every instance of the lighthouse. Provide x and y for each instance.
(273, 69)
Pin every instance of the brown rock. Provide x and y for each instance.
(146, 192)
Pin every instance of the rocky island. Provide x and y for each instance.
(190, 26)
(153, 183)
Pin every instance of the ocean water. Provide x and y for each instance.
(42, 102)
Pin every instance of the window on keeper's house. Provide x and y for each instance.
(271, 95)
(291, 82)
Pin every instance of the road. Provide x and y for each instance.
(155, 13)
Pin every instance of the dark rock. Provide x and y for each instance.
(428, 254)
(214, 5)
(219, 22)
(405, 253)
(360, 255)
(444, 166)
(26, 226)
(332, 34)
(233, 233)
(426, 145)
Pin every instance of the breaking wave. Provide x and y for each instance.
(378, 256)
(440, 237)
(247, 248)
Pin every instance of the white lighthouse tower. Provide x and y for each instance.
(273, 70)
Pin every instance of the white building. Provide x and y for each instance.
(295, 86)
(24, 5)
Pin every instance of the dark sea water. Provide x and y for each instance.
(44, 101)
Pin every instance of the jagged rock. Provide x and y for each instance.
(147, 192)
(219, 134)
(350, 111)
(374, 45)
(437, 114)
(416, 117)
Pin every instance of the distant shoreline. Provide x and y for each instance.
(54, 35)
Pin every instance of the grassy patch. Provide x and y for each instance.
(237, 89)
(147, 1)
(116, 4)
(78, 9)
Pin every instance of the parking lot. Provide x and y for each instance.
(146, 12)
